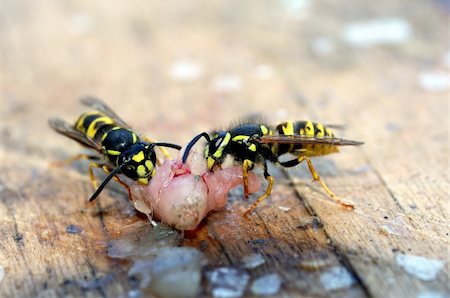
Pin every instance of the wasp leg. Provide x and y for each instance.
(271, 180)
(93, 165)
(316, 177)
(247, 165)
(163, 150)
(126, 186)
(74, 158)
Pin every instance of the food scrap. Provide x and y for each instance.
(181, 195)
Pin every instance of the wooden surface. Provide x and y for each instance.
(286, 59)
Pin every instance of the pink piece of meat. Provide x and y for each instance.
(181, 199)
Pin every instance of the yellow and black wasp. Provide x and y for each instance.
(257, 143)
(121, 151)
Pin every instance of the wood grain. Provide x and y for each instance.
(277, 58)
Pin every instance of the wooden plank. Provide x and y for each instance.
(175, 70)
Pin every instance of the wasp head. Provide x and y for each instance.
(138, 162)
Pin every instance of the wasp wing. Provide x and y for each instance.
(99, 105)
(299, 139)
(66, 129)
(336, 126)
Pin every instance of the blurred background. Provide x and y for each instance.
(174, 68)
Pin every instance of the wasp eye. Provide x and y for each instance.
(218, 142)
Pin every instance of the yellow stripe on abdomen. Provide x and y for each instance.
(80, 124)
(96, 124)
(319, 130)
(288, 128)
(309, 128)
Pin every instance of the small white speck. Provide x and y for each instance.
(336, 278)
(432, 294)
(446, 59)
(296, 9)
(422, 268)
(296, 4)
(378, 31)
(434, 81)
(2, 273)
(253, 261)
(135, 294)
(390, 229)
(186, 70)
(263, 72)
(266, 285)
(323, 46)
(283, 208)
(228, 282)
(227, 83)
(394, 226)
(81, 23)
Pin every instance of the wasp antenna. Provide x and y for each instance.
(107, 179)
(192, 143)
(168, 145)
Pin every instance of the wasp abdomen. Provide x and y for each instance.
(307, 129)
(304, 128)
(94, 125)
(105, 132)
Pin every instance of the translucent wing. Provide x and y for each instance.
(100, 106)
(336, 126)
(66, 129)
(298, 139)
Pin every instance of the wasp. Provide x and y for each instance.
(256, 143)
(118, 149)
